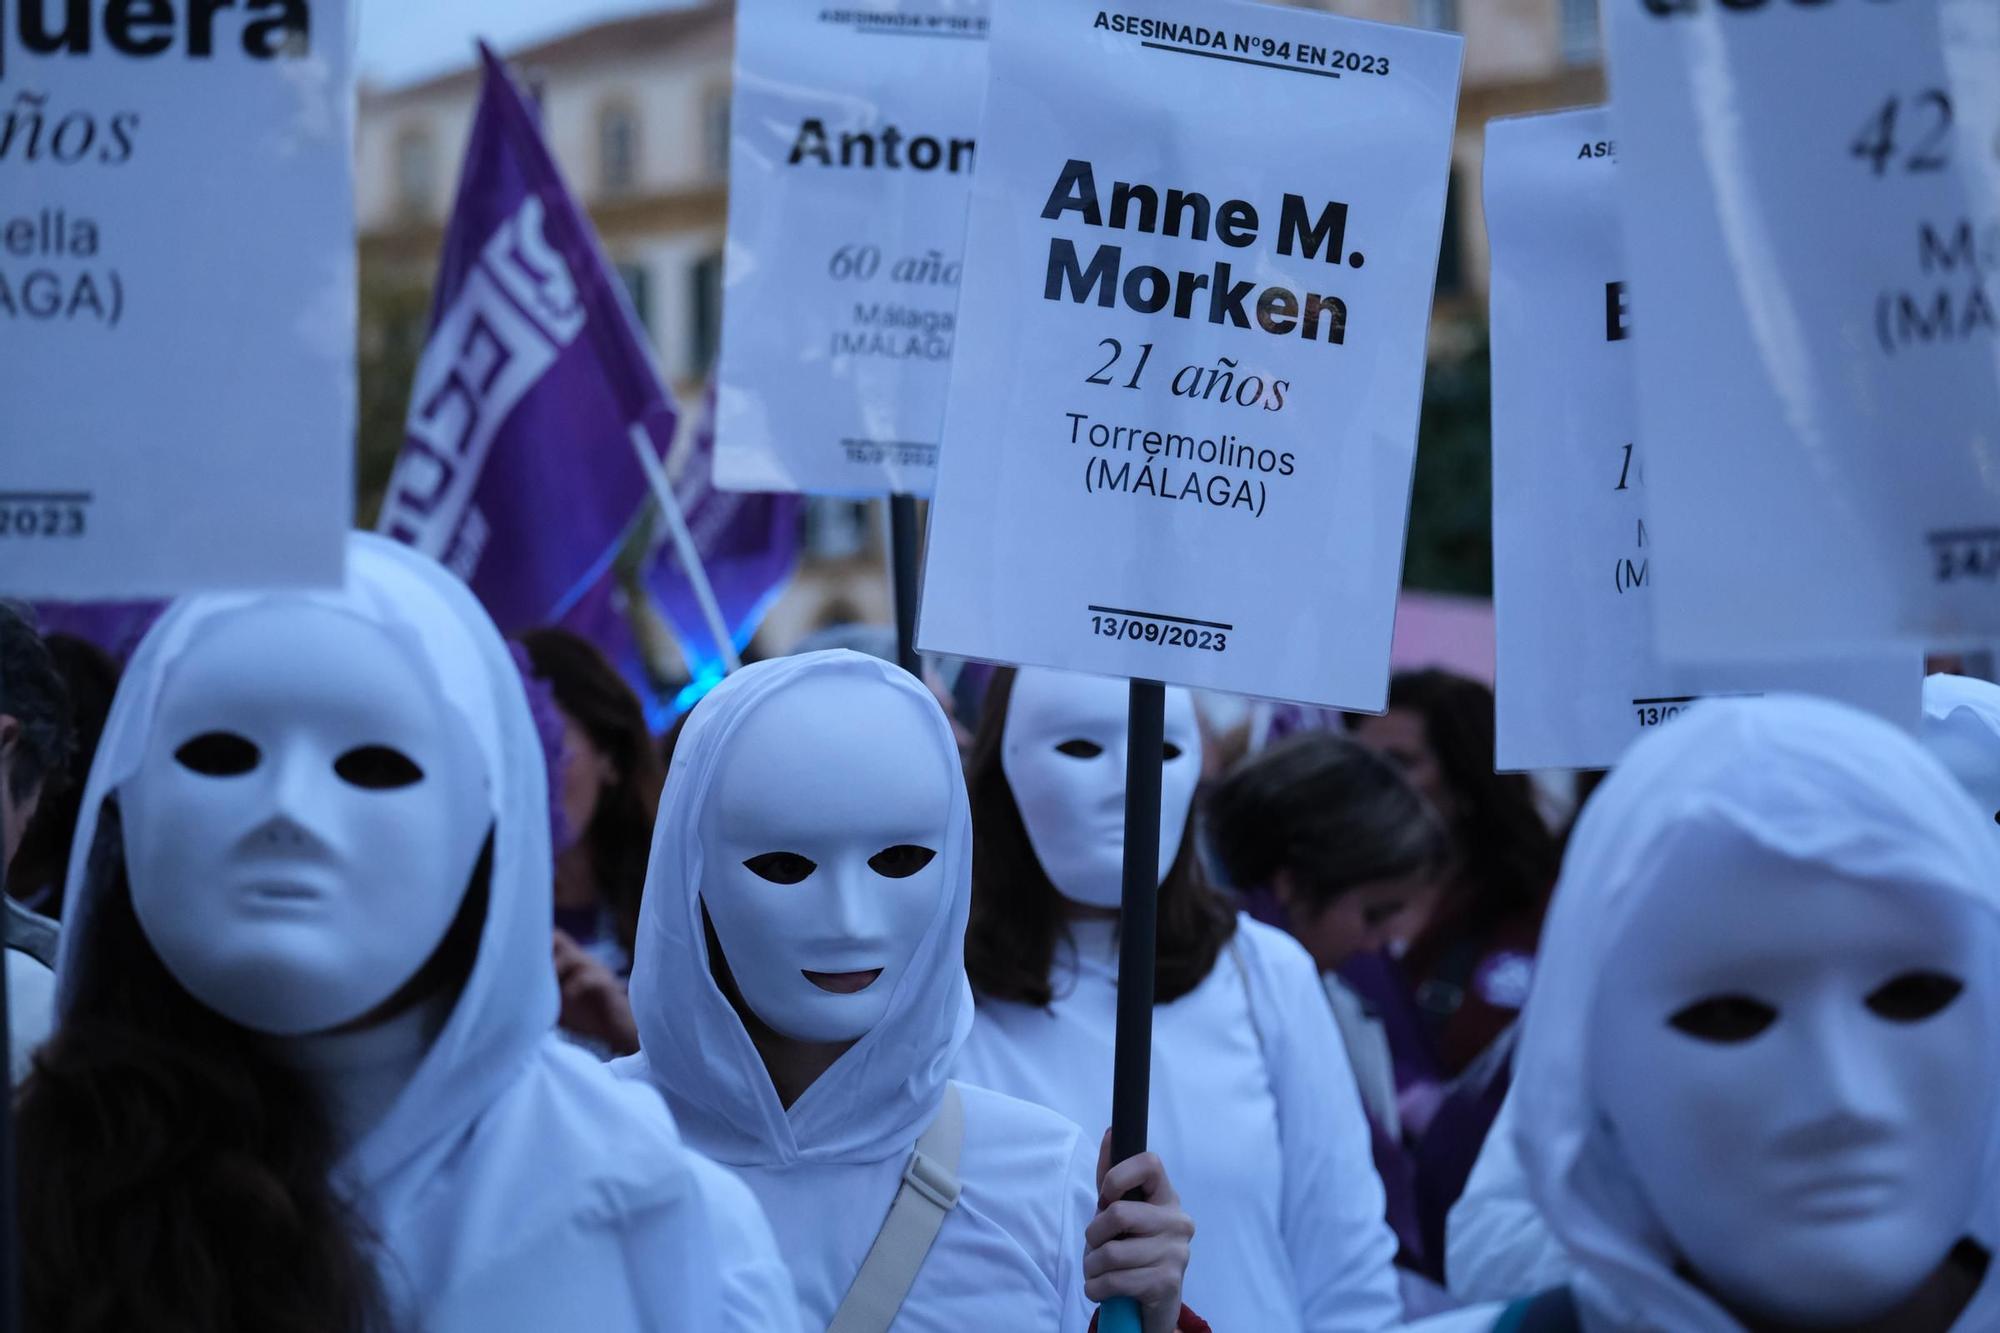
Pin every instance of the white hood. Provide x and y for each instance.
(877, 1098)
(1962, 728)
(501, 1136)
(1807, 780)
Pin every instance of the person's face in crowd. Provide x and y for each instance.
(14, 814)
(1362, 919)
(821, 844)
(586, 772)
(1063, 752)
(1400, 735)
(1796, 1068)
(306, 818)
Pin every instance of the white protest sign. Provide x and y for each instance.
(177, 295)
(1573, 569)
(1811, 198)
(1191, 353)
(851, 151)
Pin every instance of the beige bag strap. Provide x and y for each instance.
(929, 1191)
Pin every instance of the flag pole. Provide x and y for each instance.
(684, 547)
(1132, 1062)
(903, 541)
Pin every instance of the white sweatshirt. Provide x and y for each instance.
(1253, 1110)
(515, 1185)
(1010, 1255)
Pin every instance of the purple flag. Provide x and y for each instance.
(517, 469)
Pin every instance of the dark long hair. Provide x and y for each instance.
(41, 862)
(1017, 914)
(173, 1177)
(1505, 847)
(1328, 810)
(597, 698)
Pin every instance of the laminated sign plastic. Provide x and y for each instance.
(851, 149)
(1574, 576)
(177, 299)
(1811, 198)
(1183, 411)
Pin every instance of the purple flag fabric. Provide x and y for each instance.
(517, 469)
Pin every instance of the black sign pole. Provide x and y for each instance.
(1132, 1065)
(903, 543)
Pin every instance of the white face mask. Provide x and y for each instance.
(1063, 751)
(821, 852)
(1793, 1065)
(305, 821)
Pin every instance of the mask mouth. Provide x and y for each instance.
(843, 983)
(281, 889)
(1844, 1193)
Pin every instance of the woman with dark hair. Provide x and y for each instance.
(1468, 968)
(41, 863)
(1450, 991)
(1346, 847)
(304, 1078)
(608, 791)
(1251, 1099)
(1344, 842)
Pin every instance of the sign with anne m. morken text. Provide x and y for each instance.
(1183, 409)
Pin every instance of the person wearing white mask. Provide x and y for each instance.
(305, 1076)
(1757, 1083)
(1499, 1247)
(1251, 1099)
(800, 997)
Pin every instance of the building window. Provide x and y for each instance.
(704, 314)
(1582, 41)
(416, 172)
(617, 147)
(638, 283)
(715, 131)
(1439, 14)
(1451, 264)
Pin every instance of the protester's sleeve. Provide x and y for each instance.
(1078, 1314)
(647, 1269)
(1336, 1234)
(756, 1287)
(1497, 1247)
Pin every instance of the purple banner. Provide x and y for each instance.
(517, 469)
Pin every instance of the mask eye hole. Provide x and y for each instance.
(1915, 996)
(901, 861)
(219, 754)
(1080, 749)
(781, 867)
(378, 768)
(1996, 816)
(1725, 1020)
(1173, 752)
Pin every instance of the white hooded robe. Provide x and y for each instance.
(1254, 1111)
(514, 1185)
(1010, 1255)
(1807, 779)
